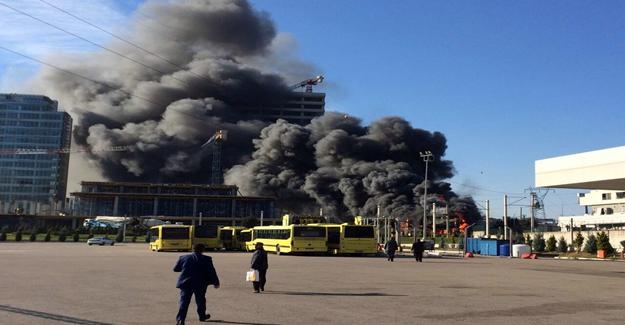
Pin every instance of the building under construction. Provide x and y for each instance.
(299, 108)
(220, 204)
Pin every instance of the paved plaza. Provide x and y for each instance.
(72, 283)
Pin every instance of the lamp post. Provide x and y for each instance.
(427, 156)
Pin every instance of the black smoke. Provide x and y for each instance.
(225, 57)
(349, 169)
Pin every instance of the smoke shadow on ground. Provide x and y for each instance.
(241, 323)
(337, 294)
(56, 317)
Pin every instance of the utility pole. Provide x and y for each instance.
(487, 219)
(532, 203)
(427, 156)
(447, 220)
(505, 216)
(377, 222)
(434, 219)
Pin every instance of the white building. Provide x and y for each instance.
(602, 172)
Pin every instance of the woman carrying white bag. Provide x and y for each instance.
(258, 273)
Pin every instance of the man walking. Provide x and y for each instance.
(417, 249)
(390, 247)
(260, 263)
(197, 273)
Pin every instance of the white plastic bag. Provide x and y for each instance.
(251, 276)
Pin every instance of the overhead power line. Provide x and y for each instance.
(94, 43)
(78, 75)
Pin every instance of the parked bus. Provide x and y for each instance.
(290, 239)
(230, 238)
(182, 237)
(171, 238)
(351, 239)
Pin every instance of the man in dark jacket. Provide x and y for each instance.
(197, 273)
(390, 247)
(260, 263)
(417, 249)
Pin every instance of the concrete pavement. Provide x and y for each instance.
(72, 283)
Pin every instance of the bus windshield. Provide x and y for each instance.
(175, 233)
(359, 232)
(309, 232)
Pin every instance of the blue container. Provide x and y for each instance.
(504, 250)
(488, 247)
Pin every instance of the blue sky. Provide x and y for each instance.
(508, 83)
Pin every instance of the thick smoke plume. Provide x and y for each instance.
(224, 56)
(350, 169)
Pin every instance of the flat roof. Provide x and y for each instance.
(594, 170)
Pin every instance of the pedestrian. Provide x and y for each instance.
(260, 264)
(196, 274)
(417, 249)
(390, 247)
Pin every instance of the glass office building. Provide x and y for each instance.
(34, 158)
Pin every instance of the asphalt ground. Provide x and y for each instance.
(72, 283)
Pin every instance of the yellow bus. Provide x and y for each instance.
(182, 237)
(171, 238)
(351, 239)
(290, 239)
(230, 238)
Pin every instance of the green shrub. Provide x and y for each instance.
(603, 242)
(76, 236)
(562, 245)
(33, 236)
(3, 236)
(90, 233)
(134, 239)
(527, 240)
(48, 236)
(591, 245)
(120, 235)
(18, 235)
(538, 243)
(578, 242)
(551, 244)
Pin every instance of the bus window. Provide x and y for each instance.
(206, 231)
(175, 233)
(359, 232)
(153, 233)
(245, 236)
(309, 232)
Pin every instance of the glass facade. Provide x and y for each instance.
(32, 171)
(220, 202)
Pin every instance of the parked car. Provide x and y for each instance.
(100, 241)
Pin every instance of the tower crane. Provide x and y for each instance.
(217, 177)
(308, 83)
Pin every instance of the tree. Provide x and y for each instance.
(578, 242)
(539, 243)
(76, 236)
(120, 235)
(18, 235)
(603, 242)
(591, 245)
(48, 235)
(62, 235)
(562, 245)
(551, 244)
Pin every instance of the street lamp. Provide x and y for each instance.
(427, 156)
